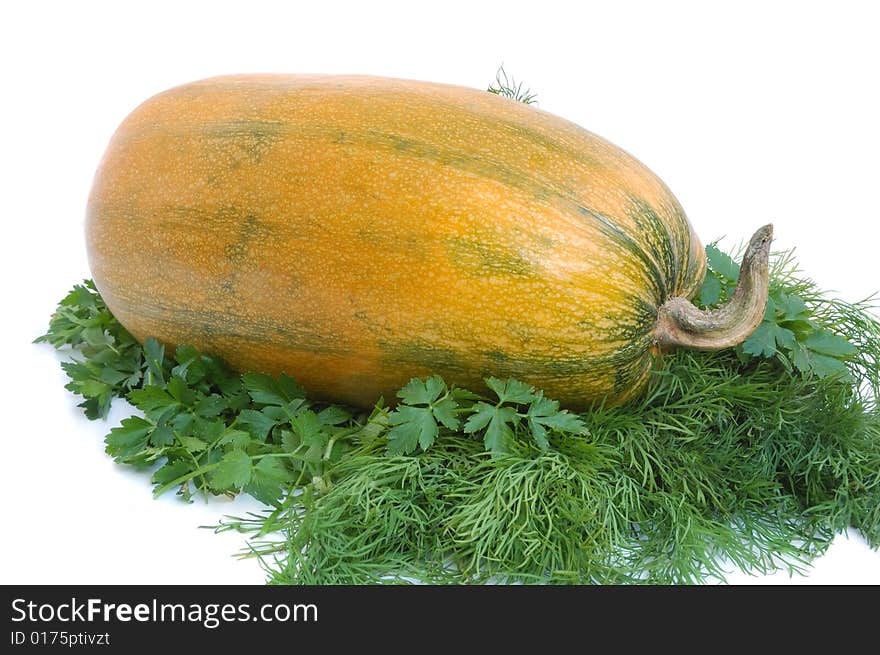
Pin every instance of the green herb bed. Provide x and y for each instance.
(757, 455)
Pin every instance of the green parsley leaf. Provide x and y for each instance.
(376, 425)
(153, 400)
(308, 428)
(824, 366)
(234, 439)
(426, 404)
(191, 443)
(290, 442)
(85, 380)
(233, 472)
(162, 435)
(544, 414)
(710, 292)
(267, 480)
(762, 342)
(271, 391)
(129, 439)
(334, 415)
(277, 414)
(171, 471)
(113, 377)
(256, 422)
(827, 343)
(511, 391)
(81, 297)
(154, 355)
(496, 421)
(210, 406)
(422, 392)
(722, 263)
(411, 427)
(181, 423)
(785, 338)
(800, 358)
(791, 307)
(96, 337)
(444, 411)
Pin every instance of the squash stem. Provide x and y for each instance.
(681, 324)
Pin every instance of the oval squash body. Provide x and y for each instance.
(355, 232)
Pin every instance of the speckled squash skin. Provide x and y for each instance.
(355, 232)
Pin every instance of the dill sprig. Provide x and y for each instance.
(507, 87)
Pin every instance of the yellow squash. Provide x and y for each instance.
(355, 232)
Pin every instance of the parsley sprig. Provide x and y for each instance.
(215, 431)
(519, 406)
(789, 333)
(109, 361)
(518, 412)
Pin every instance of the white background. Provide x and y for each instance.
(750, 112)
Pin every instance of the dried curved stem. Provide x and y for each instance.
(682, 324)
